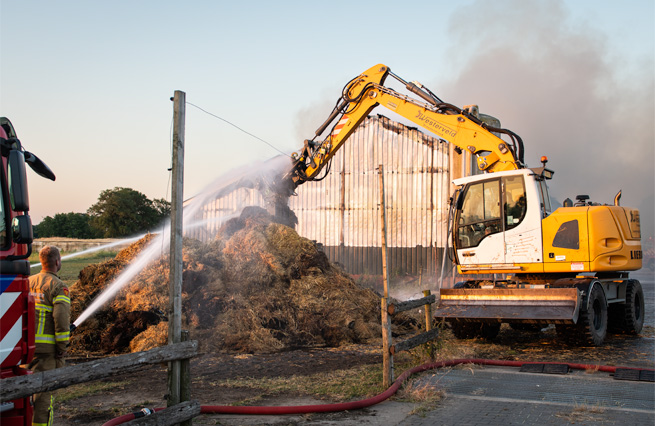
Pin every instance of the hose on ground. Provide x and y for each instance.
(354, 405)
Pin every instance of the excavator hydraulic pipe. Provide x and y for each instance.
(418, 91)
(338, 110)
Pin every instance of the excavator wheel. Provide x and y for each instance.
(489, 331)
(591, 328)
(472, 329)
(628, 317)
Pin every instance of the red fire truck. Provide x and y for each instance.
(16, 304)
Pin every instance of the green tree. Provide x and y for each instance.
(162, 206)
(69, 225)
(121, 212)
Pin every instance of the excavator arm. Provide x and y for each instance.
(503, 223)
(461, 127)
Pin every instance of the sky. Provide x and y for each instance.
(87, 85)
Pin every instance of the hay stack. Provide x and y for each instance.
(258, 287)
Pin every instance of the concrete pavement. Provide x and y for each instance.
(506, 396)
(489, 396)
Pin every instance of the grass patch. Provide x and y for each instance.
(89, 410)
(582, 413)
(70, 268)
(337, 386)
(423, 394)
(340, 385)
(86, 389)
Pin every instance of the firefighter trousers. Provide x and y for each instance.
(43, 402)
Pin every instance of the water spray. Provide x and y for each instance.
(95, 249)
(150, 253)
(221, 186)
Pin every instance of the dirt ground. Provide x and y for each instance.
(147, 388)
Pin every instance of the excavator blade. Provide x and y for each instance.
(556, 305)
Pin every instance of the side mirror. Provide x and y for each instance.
(21, 229)
(18, 182)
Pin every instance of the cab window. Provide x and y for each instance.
(480, 215)
(546, 208)
(515, 201)
(481, 212)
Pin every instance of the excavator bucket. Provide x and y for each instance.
(556, 305)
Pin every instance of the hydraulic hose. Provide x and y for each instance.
(354, 405)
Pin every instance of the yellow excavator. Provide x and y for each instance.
(567, 267)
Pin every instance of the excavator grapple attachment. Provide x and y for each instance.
(552, 305)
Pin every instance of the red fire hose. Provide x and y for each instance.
(354, 405)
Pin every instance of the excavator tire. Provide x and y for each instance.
(489, 331)
(591, 328)
(472, 329)
(628, 317)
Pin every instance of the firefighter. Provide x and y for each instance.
(52, 327)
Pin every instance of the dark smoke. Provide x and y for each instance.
(556, 84)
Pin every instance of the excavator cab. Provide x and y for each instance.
(497, 222)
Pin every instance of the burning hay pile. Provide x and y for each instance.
(258, 287)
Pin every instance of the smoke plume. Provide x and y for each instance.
(569, 98)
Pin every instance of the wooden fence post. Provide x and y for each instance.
(185, 379)
(428, 312)
(428, 322)
(383, 234)
(175, 274)
(387, 357)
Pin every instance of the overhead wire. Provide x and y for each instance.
(239, 128)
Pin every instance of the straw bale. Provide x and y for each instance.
(153, 337)
(258, 287)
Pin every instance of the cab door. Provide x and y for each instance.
(523, 210)
(498, 224)
(479, 228)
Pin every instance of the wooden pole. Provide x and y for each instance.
(428, 312)
(383, 234)
(175, 274)
(428, 322)
(185, 380)
(387, 358)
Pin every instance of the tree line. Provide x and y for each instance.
(119, 212)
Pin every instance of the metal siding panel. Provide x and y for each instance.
(417, 189)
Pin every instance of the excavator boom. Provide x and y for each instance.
(361, 95)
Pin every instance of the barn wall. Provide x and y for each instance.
(342, 211)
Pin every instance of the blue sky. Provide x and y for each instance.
(87, 84)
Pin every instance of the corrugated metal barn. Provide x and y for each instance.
(342, 211)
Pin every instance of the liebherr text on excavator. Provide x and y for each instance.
(567, 267)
